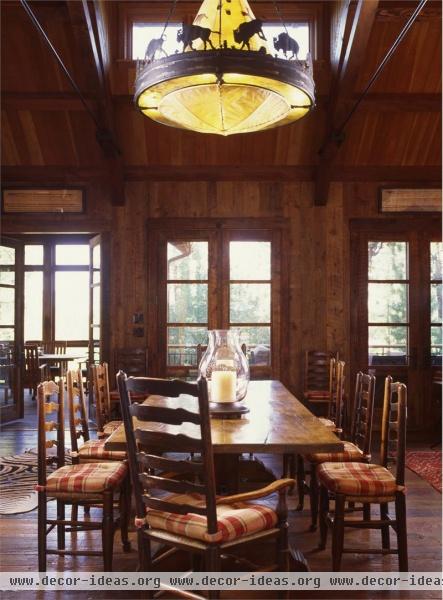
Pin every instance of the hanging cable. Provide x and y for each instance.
(171, 11)
(337, 133)
(280, 16)
(74, 85)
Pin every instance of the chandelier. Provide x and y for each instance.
(224, 79)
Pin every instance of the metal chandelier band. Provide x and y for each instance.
(285, 87)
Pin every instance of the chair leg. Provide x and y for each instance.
(384, 514)
(300, 482)
(313, 494)
(87, 510)
(144, 552)
(74, 512)
(366, 512)
(42, 531)
(125, 506)
(107, 530)
(283, 549)
(324, 510)
(338, 532)
(213, 563)
(289, 469)
(402, 538)
(60, 528)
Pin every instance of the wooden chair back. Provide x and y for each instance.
(60, 347)
(32, 370)
(337, 389)
(201, 349)
(363, 411)
(147, 465)
(132, 361)
(317, 370)
(51, 432)
(78, 420)
(393, 431)
(55, 347)
(100, 386)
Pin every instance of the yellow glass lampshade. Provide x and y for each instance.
(226, 88)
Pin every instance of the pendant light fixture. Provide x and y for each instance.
(224, 79)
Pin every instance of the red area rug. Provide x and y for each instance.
(427, 465)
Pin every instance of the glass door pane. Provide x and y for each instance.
(186, 300)
(95, 300)
(250, 298)
(388, 303)
(436, 256)
(11, 330)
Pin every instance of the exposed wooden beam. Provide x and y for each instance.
(355, 20)
(55, 101)
(54, 175)
(89, 28)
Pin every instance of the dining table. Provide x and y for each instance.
(277, 423)
(61, 359)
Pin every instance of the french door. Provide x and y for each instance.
(215, 274)
(11, 329)
(396, 309)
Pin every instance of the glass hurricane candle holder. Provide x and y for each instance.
(226, 369)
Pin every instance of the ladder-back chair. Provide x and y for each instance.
(32, 373)
(333, 422)
(317, 374)
(191, 517)
(91, 450)
(357, 449)
(74, 485)
(370, 484)
(100, 387)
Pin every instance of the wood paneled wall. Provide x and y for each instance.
(318, 259)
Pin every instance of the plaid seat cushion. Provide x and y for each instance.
(96, 449)
(110, 427)
(356, 479)
(88, 477)
(233, 520)
(350, 453)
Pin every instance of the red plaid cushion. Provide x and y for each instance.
(96, 449)
(350, 453)
(356, 479)
(233, 520)
(87, 477)
(108, 428)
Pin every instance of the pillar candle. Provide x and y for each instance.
(223, 386)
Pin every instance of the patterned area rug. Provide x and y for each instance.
(18, 476)
(427, 465)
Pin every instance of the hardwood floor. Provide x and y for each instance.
(18, 546)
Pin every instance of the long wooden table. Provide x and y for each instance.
(276, 424)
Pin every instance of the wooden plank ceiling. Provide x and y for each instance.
(44, 123)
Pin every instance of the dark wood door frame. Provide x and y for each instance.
(419, 231)
(158, 230)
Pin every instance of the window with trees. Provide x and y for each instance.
(388, 302)
(214, 278)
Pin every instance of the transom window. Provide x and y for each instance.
(143, 32)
